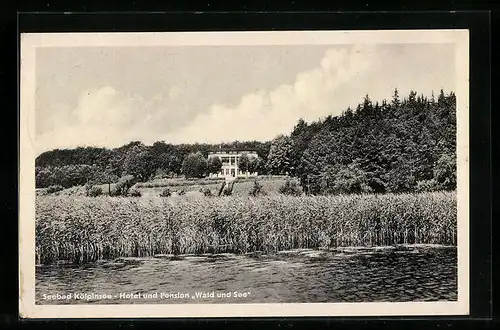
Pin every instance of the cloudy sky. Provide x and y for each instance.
(109, 96)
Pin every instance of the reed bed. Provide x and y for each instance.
(83, 229)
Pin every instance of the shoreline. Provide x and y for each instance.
(228, 256)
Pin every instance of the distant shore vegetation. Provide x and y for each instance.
(380, 174)
(403, 145)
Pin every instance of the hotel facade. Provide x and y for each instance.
(230, 163)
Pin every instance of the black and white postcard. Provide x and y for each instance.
(221, 174)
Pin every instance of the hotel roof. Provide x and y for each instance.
(213, 151)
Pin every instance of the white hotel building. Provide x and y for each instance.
(230, 160)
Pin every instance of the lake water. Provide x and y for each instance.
(416, 273)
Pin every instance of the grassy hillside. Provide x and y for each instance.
(242, 187)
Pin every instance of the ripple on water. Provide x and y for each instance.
(263, 269)
(421, 273)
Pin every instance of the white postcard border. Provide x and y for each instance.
(31, 41)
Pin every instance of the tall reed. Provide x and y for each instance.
(83, 229)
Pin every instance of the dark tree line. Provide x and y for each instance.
(404, 145)
(70, 167)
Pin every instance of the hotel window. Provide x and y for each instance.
(222, 172)
(227, 171)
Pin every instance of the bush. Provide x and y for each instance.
(94, 191)
(54, 188)
(176, 182)
(290, 188)
(207, 192)
(181, 192)
(214, 165)
(427, 186)
(134, 193)
(166, 193)
(194, 165)
(349, 179)
(123, 186)
(256, 189)
(66, 176)
(41, 191)
(445, 172)
(228, 189)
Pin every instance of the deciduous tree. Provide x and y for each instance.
(244, 163)
(279, 160)
(214, 165)
(194, 165)
(140, 163)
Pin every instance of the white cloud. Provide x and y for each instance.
(103, 117)
(264, 114)
(107, 117)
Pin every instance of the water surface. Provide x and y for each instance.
(416, 273)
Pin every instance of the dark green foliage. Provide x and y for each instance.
(445, 171)
(167, 157)
(223, 185)
(291, 188)
(66, 176)
(123, 186)
(427, 186)
(406, 145)
(107, 176)
(140, 163)
(280, 156)
(134, 192)
(244, 163)
(214, 165)
(164, 156)
(166, 193)
(345, 179)
(256, 165)
(194, 165)
(53, 189)
(301, 137)
(228, 190)
(94, 191)
(256, 189)
(81, 156)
